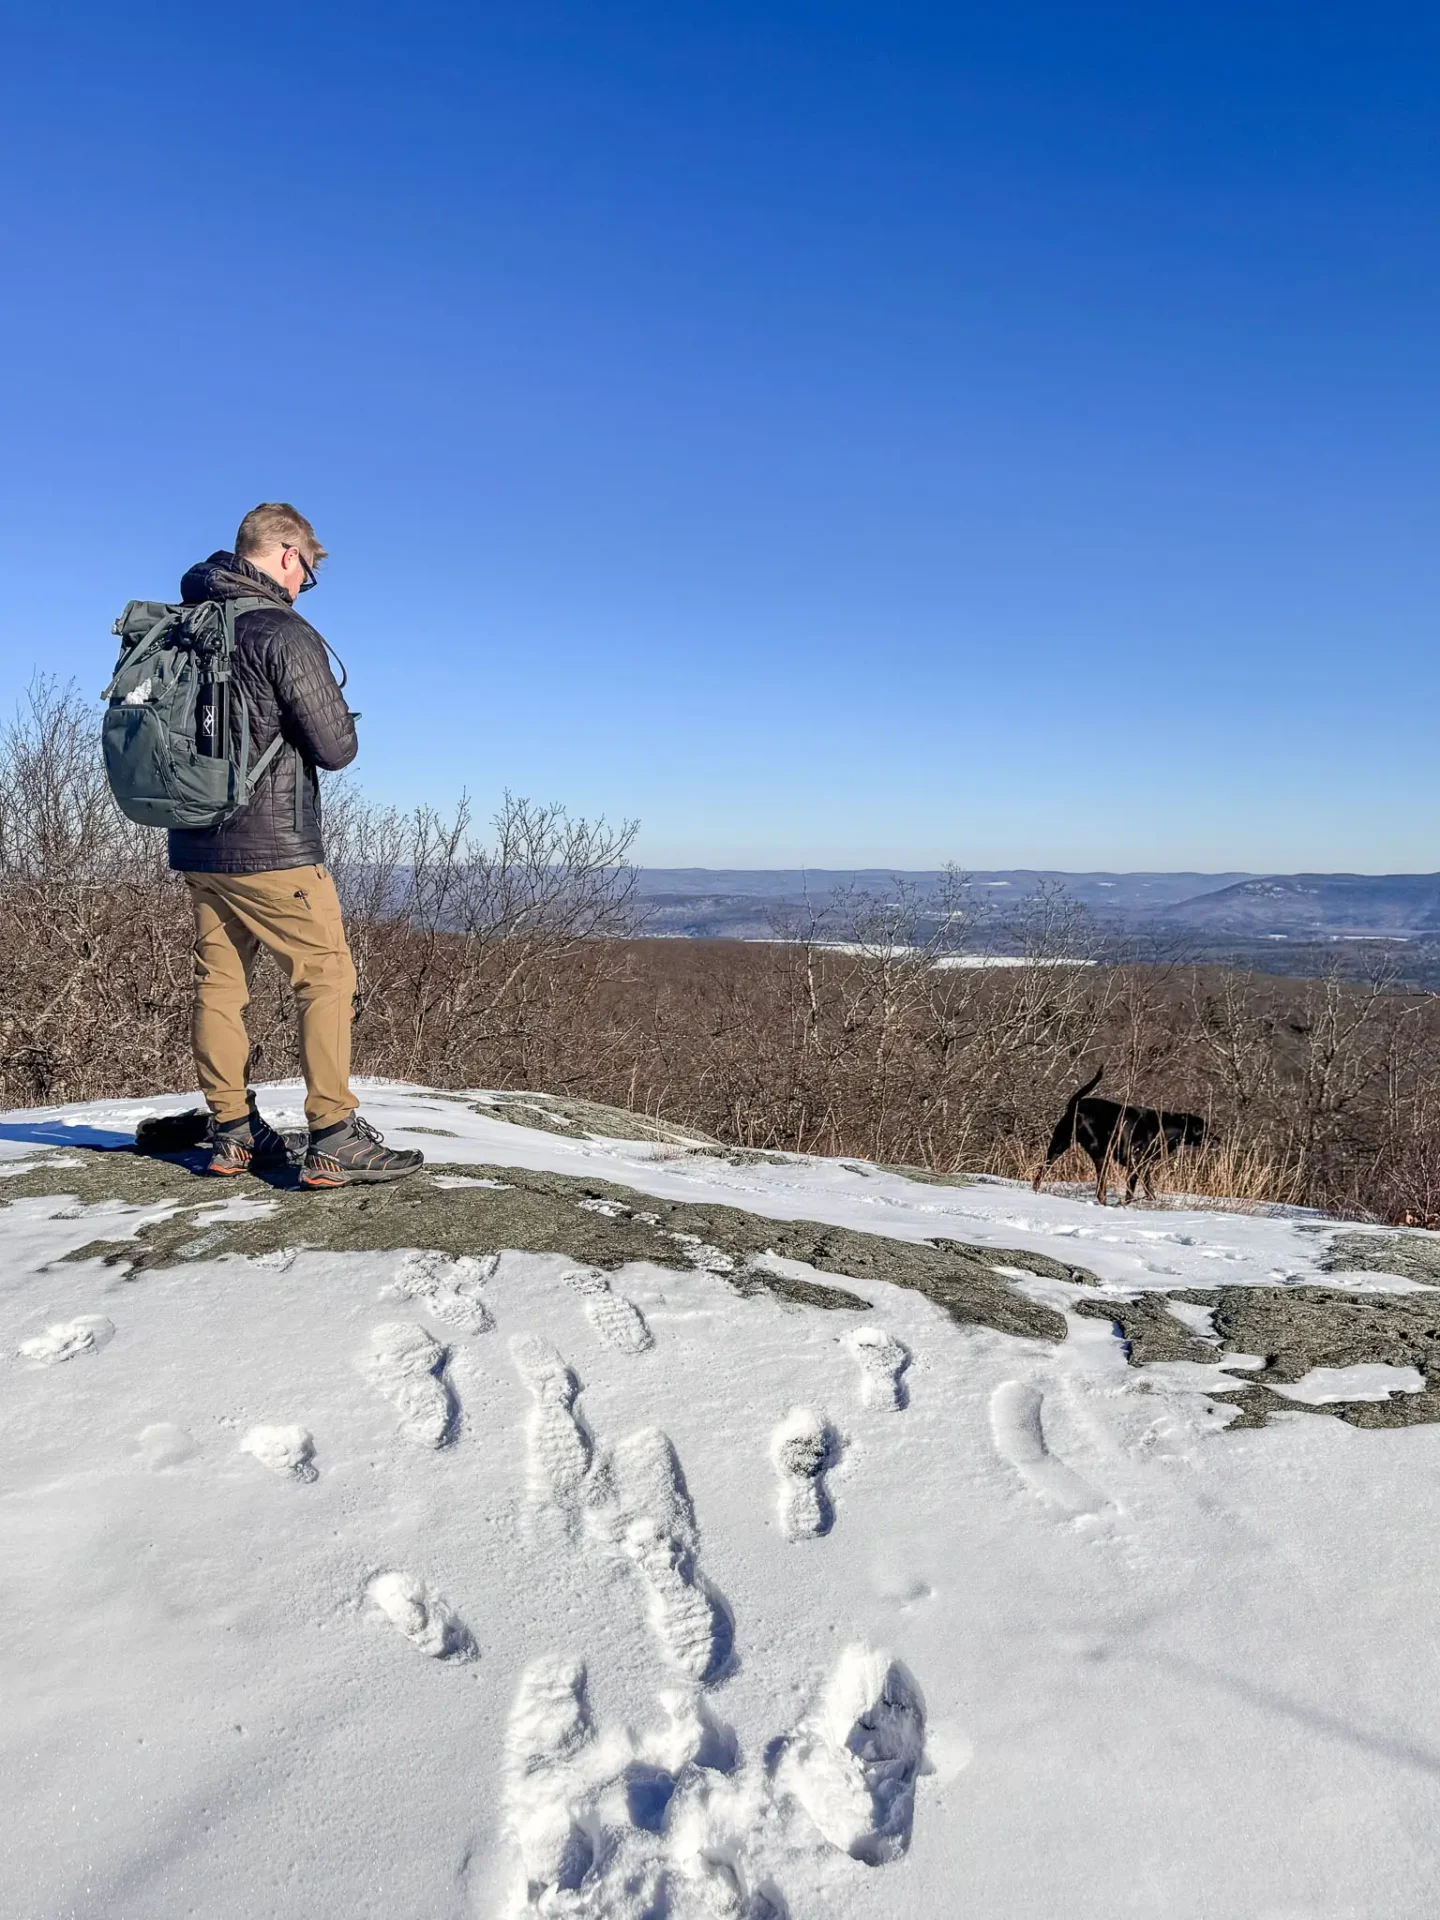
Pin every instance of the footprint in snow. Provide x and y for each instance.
(1017, 1424)
(709, 1888)
(605, 1824)
(288, 1450)
(165, 1445)
(705, 1864)
(450, 1289)
(557, 1445)
(882, 1360)
(407, 1366)
(803, 1447)
(653, 1523)
(767, 1903)
(691, 1736)
(618, 1321)
(550, 1728)
(67, 1340)
(425, 1619)
(852, 1763)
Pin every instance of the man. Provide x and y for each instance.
(260, 881)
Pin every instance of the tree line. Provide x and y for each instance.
(510, 954)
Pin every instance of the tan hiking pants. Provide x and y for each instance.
(293, 913)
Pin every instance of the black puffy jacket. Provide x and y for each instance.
(281, 663)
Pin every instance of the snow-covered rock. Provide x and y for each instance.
(610, 1527)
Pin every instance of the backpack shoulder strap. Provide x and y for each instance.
(248, 603)
(250, 776)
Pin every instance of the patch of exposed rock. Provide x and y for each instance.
(591, 1221)
(1294, 1329)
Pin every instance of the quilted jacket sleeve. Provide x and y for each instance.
(313, 713)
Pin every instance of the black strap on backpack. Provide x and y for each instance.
(256, 604)
(249, 776)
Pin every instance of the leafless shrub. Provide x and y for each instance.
(471, 951)
(94, 929)
(503, 958)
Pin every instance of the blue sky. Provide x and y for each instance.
(836, 434)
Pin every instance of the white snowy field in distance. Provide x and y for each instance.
(366, 1586)
(951, 960)
(938, 963)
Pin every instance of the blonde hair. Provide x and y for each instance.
(275, 523)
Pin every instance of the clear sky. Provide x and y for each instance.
(836, 434)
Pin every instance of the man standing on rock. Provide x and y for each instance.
(260, 881)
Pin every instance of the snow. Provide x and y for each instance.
(948, 962)
(853, 1763)
(397, 1586)
(1201, 1377)
(283, 1449)
(425, 1618)
(65, 1340)
(882, 1360)
(1370, 1381)
(1199, 1319)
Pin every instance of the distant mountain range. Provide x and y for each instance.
(1308, 905)
(741, 903)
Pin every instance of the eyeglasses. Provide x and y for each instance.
(309, 580)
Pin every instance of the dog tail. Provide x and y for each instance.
(1089, 1087)
(1065, 1125)
(1063, 1138)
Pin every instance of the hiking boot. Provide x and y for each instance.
(246, 1146)
(353, 1152)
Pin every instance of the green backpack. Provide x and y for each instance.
(177, 751)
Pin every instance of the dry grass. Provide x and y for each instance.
(1240, 1171)
(501, 961)
(1236, 1170)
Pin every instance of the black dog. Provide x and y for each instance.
(175, 1135)
(1134, 1138)
(173, 1132)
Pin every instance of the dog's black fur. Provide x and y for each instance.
(173, 1132)
(185, 1137)
(1134, 1138)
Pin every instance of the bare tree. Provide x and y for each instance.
(884, 1024)
(464, 944)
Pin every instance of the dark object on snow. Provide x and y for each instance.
(251, 1146)
(173, 1132)
(1135, 1138)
